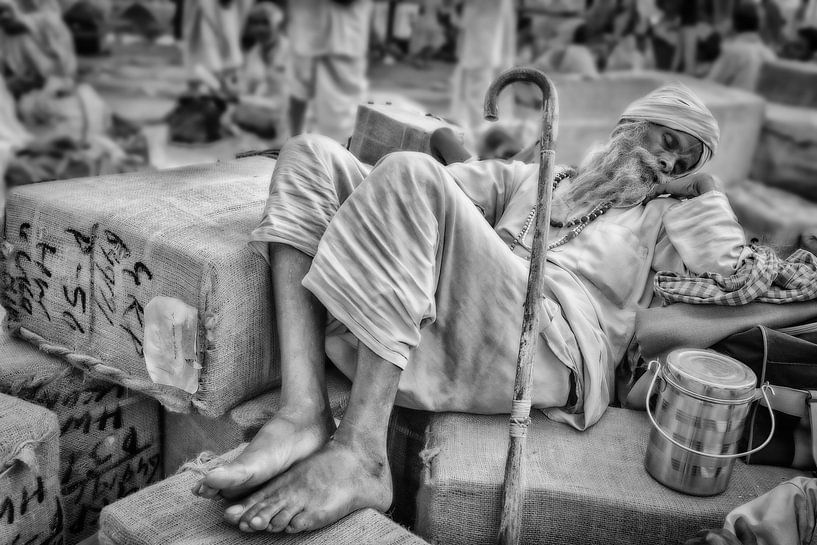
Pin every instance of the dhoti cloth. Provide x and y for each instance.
(406, 264)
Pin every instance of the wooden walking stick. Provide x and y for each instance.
(513, 492)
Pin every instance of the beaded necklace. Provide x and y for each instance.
(578, 224)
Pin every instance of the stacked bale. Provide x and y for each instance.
(84, 258)
(381, 129)
(788, 141)
(30, 503)
(580, 487)
(168, 513)
(191, 434)
(774, 216)
(110, 438)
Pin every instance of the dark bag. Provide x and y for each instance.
(786, 359)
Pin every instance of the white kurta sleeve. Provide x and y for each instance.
(490, 184)
(704, 232)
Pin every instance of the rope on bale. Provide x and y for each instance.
(96, 367)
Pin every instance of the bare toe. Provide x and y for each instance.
(281, 520)
(300, 523)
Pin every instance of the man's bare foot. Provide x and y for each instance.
(286, 439)
(320, 490)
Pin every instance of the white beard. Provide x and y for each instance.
(622, 172)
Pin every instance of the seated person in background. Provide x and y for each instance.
(742, 56)
(266, 53)
(262, 92)
(411, 276)
(569, 58)
(631, 48)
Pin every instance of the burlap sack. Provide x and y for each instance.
(30, 503)
(775, 216)
(110, 443)
(381, 129)
(167, 512)
(787, 150)
(583, 488)
(83, 258)
(190, 434)
(788, 82)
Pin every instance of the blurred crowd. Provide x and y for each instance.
(277, 68)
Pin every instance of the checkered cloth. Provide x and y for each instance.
(762, 277)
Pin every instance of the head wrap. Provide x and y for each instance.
(677, 107)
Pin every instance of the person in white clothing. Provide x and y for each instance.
(411, 275)
(329, 41)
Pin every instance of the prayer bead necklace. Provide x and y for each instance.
(578, 224)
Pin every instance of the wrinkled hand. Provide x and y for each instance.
(689, 186)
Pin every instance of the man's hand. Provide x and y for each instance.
(689, 186)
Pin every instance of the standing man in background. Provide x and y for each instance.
(212, 32)
(329, 41)
(487, 46)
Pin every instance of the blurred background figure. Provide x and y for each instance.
(212, 37)
(263, 95)
(427, 34)
(487, 46)
(560, 46)
(743, 54)
(73, 131)
(329, 43)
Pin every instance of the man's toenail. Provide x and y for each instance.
(257, 521)
(244, 527)
(235, 510)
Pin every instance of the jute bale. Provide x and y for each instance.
(30, 502)
(381, 129)
(110, 443)
(787, 152)
(84, 258)
(788, 82)
(775, 216)
(190, 434)
(583, 488)
(167, 512)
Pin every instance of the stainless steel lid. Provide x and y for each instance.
(710, 374)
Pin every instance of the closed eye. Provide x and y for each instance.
(670, 142)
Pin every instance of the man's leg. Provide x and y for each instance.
(402, 245)
(304, 422)
(313, 176)
(350, 472)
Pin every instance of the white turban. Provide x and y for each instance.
(676, 106)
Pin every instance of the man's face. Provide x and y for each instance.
(638, 156)
(676, 152)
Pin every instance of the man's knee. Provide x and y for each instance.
(410, 169)
(310, 144)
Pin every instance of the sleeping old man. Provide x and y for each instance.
(411, 277)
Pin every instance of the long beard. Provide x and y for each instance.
(622, 172)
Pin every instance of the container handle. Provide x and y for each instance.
(655, 366)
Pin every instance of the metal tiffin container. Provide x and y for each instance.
(703, 400)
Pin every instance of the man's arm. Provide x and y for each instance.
(702, 229)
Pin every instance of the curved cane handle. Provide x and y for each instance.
(550, 109)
